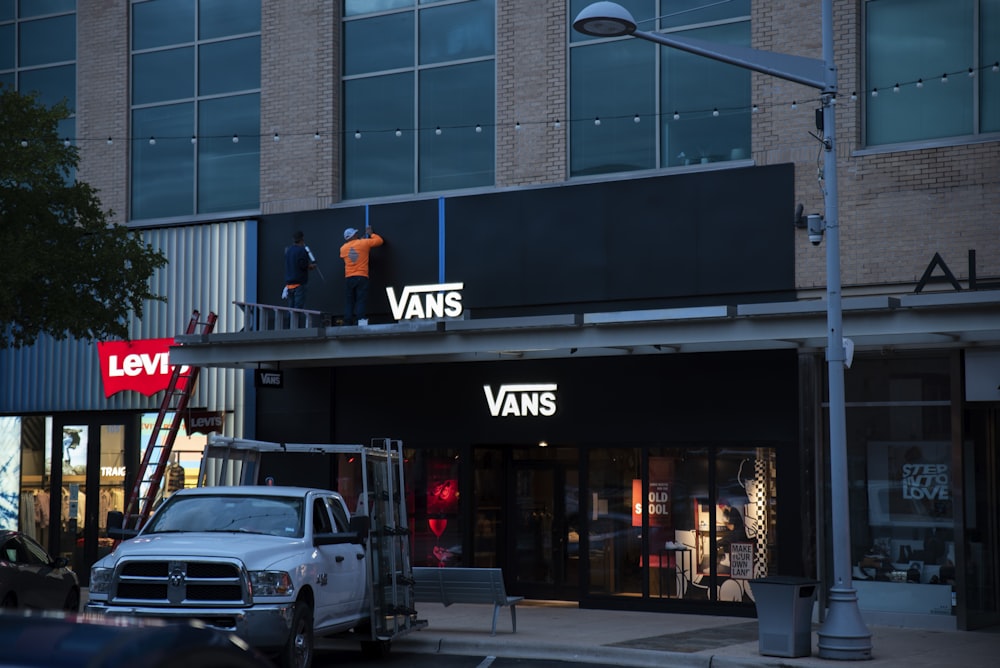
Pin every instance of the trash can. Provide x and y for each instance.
(784, 614)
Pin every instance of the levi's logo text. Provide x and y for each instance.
(204, 422)
(443, 300)
(522, 400)
(141, 366)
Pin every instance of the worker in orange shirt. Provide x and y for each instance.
(355, 252)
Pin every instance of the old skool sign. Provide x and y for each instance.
(141, 366)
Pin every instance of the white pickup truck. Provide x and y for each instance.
(275, 565)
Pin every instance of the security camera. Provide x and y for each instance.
(815, 225)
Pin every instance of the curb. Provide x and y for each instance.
(602, 655)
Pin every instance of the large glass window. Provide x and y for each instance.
(636, 105)
(901, 499)
(38, 53)
(929, 69)
(195, 107)
(419, 91)
(614, 540)
(712, 521)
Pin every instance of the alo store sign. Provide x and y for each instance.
(141, 366)
(443, 300)
(522, 400)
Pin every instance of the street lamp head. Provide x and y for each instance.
(604, 19)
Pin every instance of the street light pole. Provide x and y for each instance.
(843, 634)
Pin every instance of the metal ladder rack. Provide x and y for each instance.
(392, 578)
(156, 456)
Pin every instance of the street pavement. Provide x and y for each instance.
(563, 631)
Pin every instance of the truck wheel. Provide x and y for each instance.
(298, 651)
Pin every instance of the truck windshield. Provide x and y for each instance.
(271, 515)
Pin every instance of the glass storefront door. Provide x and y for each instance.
(982, 518)
(543, 505)
(526, 515)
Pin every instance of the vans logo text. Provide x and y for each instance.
(522, 400)
(443, 300)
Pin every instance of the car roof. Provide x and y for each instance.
(251, 490)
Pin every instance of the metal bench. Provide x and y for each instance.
(465, 585)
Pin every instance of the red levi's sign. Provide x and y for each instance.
(140, 366)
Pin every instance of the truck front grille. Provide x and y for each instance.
(179, 583)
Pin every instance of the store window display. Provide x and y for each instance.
(722, 531)
(902, 516)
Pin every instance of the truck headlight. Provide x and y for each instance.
(100, 581)
(270, 583)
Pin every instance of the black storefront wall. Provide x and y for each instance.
(717, 237)
(678, 401)
(704, 398)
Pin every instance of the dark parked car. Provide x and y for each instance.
(30, 578)
(51, 639)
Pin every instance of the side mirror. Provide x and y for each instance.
(361, 525)
(116, 530)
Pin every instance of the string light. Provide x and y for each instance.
(636, 117)
(24, 143)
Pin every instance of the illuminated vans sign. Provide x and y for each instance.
(523, 400)
(443, 300)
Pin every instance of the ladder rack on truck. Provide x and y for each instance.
(372, 476)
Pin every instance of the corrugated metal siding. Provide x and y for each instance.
(209, 266)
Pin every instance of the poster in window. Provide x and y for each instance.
(741, 561)
(442, 486)
(909, 483)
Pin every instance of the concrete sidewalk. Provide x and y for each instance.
(552, 630)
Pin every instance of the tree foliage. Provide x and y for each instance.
(66, 269)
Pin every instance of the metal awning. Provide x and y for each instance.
(909, 321)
